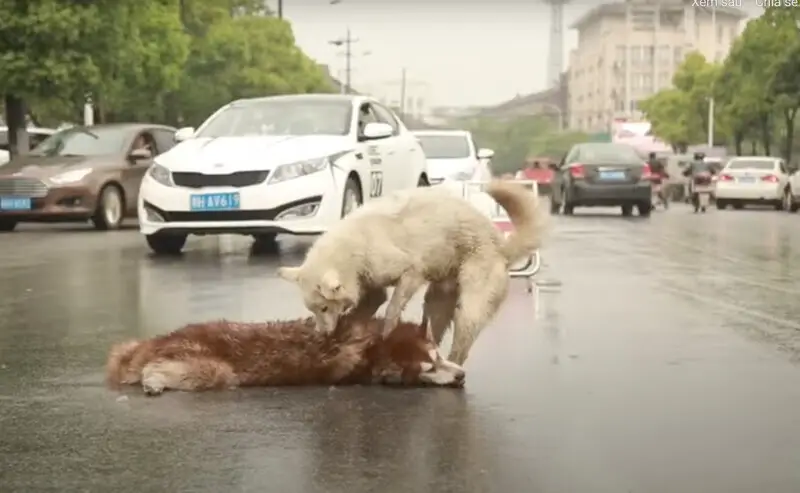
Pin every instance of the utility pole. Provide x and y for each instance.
(711, 96)
(403, 93)
(347, 42)
(280, 9)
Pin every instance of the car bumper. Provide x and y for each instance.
(264, 208)
(590, 194)
(60, 204)
(755, 192)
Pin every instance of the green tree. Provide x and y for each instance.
(242, 56)
(695, 80)
(45, 56)
(669, 113)
(511, 139)
(784, 70)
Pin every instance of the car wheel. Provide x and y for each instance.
(423, 181)
(569, 209)
(627, 210)
(644, 208)
(265, 243)
(791, 204)
(7, 225)
(555, 207)
(110, 210)
(721, 205)
(163, 244)
(778, 205)
(738, 206)
(352, 199)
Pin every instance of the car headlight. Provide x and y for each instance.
(73, 176)
(300, 168)
(160, 174)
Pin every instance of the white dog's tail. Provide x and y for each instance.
(523, 209)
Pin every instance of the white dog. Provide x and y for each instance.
(413, 237)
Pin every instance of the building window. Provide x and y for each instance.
(663, 53)
(636, 55)
(678, 55)
(647, 82)
(647, 54)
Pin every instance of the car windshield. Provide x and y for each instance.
(84, 141)
(290, 116)
(752, 164)
(608, 153)
(444, 146)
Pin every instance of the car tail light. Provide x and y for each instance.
(725, 178)
(577, 171)
(647, 173)
(770, 178)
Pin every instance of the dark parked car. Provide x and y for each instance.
(81, 173)
(601, 174)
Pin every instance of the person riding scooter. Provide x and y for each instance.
(659, 175)
(699, 173)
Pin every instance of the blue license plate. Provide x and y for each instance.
(612, 175)
(214, 202)
(15, 203)
(747, 179)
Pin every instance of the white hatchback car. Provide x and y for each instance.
(452, 155)
(752, 180)
(285, 164)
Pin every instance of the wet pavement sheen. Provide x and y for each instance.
(665, 362)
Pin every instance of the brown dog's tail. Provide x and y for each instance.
(523, 209)
(118, 365)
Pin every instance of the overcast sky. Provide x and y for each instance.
(468, 52)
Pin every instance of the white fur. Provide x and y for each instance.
(414, 237)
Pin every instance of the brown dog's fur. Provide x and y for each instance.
(225, 354)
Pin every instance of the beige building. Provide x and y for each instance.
(628, 51)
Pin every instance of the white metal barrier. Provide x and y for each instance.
(473, 191)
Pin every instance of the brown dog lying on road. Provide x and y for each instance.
(223, 354)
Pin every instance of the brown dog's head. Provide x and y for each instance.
(405, 357)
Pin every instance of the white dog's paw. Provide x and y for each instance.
(153, 385)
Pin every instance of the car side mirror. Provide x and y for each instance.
(484, 153)
(376, 131)
(140, 154)
(184, 133)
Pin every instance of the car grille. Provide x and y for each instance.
(23, 187)
(200, 180)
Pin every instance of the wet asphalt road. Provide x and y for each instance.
(665, 362)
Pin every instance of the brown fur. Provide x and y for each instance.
(224, 354)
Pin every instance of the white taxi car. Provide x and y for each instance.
(284, 164)
(453, 155)
(752, 180)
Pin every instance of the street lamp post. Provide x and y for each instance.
(347, 42)
(711, 96)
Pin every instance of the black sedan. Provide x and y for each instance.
(602, 175)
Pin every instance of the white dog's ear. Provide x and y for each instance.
(330, 286)
(289, 273)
